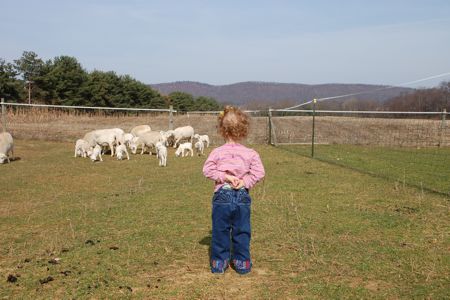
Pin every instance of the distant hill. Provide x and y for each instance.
(269, 92)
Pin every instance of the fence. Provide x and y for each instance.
(406, 147)
(68, 123)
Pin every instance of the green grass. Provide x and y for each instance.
(424, 168)
(318, 230)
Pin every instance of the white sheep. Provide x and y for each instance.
(81, 148)
(186, 132)
(6, 147)
(203, 138)
(147, 139)
(161, 153)
(96, 153)
(138, 130)
(199, 147)
(104, 137)
(127, 137)
(121, 151)
(182, 148)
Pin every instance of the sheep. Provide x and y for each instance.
(127, 137)
(81, 148)
(161, 153)
(186, 132)
(121, 150)
(147, 139)
(6, 147)
(203, 138)
(138, 130)
(104, 137)
(182, 147)
(96, 153)
(199, 147)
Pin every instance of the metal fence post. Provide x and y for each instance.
(442, 127)
(3, 114)
(313, 126)
(272, 136)
(170, 117)
(269, 114)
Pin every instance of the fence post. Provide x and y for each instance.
(170, 117)
(313, 127)
(443, 126)
(3, 114)
(269, 115)
(272, 137)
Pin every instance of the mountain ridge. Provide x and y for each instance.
(273, 92)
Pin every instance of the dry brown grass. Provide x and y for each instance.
(362, 131)
(69, 125)
(65, 125)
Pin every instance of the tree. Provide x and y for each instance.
(29, 66)
(9, 85)
(62, 80)
(206, 104)
(181, 101)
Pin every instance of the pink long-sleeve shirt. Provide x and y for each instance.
(236, 160)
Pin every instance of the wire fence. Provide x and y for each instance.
(68, 123)
(406, 147)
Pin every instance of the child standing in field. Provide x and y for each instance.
(235, 169)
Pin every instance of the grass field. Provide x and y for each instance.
(130, 229)
(424, 168)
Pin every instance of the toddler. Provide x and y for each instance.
(235, 169)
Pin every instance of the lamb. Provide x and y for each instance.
(161, 153)
(186, 132)
(96, 153)
(6, 147)
(81, 148)
(147, 139)
(182, 147)
(199, 147)
(140, 129)
(121, 150)
(203, 138)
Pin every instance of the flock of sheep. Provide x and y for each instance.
(93, 143)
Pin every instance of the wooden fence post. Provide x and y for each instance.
(171, 117)
(3, 114)
(442, 127)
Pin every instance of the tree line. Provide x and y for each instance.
(425, 100)
(63, 81)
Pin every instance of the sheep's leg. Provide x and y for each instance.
(176, 142)
(111, 146)
(128, 157)
(100, 155)
(192, 152)
(75, 155)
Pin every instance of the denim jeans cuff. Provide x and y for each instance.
(242, 266)
(219, 266)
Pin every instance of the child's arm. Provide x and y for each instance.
(256, 172)
(210, 169)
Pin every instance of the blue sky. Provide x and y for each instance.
(223, 42)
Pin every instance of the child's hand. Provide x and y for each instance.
(233, 180)
(239, 185)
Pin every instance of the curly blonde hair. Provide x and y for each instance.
(233, 123)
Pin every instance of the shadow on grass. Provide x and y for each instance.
(206, 241)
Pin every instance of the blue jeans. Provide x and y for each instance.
(231, 229)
